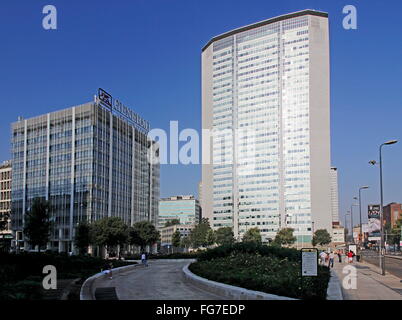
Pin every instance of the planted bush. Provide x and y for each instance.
(268, 269)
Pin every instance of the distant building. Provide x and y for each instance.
(338, 234)
(167, 233)
(5, 203)
(184, 208)
(200, 196)
(90, 162)
(334, 195)
(392, 213)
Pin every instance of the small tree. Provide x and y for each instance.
(252, 235)
(37, 223)
(198, 235)
(176, 239)
(224, 236)
(321, 237)
(172, 222)
(109, 232)
(143, 233)
(185, 242)
(82, 238)
(285, 237)
(4, 221)
(210, 238)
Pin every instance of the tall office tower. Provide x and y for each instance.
(90, 161)
(265, 102)
(184, 208)
(334, 196)
(5, 204)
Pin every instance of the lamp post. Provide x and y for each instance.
(360, 209)
(347, 235)
(351, 218)
(381, 253)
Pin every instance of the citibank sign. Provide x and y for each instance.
(116, 105)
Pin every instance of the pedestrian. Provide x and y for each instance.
(323, 257)
(144, 259)
(331, 259)
(110, 271)
(339, 256)
(350, 256)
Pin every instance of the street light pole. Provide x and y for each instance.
(360, 209)
(381, 255)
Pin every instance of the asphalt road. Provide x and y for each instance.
(162, 280)
(392, 265)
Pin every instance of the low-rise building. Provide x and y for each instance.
(338, 234)
(167, 233)
(5, 204)
(184, 208)
(392, 213)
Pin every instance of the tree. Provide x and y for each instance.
(176, 239)
(82, 237)
(109, 232)
(185, 242)
(252, 235)
(210, 238)
(37, 223)
(172, 222)
(4, 221)
(321, 237)
(143, 233)
(199, 234)
(224, 236)
(285, 237)
(395, 237)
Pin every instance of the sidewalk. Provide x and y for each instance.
(371, 285)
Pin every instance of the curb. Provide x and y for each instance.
(334, 290)
(87, 291)
(228, 291)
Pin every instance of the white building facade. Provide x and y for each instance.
(265, 101)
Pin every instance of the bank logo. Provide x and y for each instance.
(105, 98)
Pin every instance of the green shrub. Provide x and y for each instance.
(272, 270)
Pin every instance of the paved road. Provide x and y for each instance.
(392, 265)
(162, 280)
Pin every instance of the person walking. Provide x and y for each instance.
(144, 259)
(110, 271)
(350, 256)
(331, 260)
(323, 257)
(339, 256)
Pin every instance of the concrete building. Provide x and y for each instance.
(90, 161)
(338, 235)
(334, 195)
(266, 107)
(5, 204)
(392, 213)
(167, 233)
(184, 208)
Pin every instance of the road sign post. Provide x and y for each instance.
(309, 264)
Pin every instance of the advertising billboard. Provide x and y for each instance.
(374, 223)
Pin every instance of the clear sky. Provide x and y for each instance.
(147, 53)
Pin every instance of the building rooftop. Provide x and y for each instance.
(265, 22)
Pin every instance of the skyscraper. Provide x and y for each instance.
(334, 195)
(265, 102)
(90, 161)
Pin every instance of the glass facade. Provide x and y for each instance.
(260, 88)
(184, 208)
(89, 163)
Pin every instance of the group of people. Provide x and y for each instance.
(327, 258)
(108, 267)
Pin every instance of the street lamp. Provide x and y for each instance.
(351, 218)
(373, 162)
(347, 235)
(360, 209)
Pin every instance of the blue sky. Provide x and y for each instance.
(147, 53)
